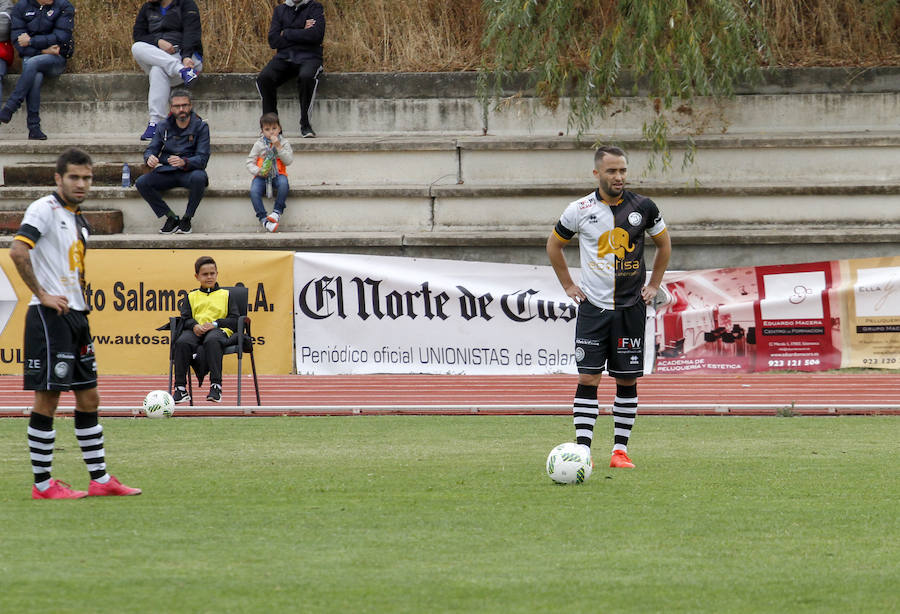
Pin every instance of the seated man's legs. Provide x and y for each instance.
(32, 68)
(307, 83)
(270, 78)
(153, 184)
(164, 70)
(54, 68)
(195, 181)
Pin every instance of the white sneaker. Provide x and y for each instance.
(273, 217)
(270, 226)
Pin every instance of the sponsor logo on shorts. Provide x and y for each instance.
(579, 354)
(587, 342)
(61, 369)
(628, 343)
(635, 218)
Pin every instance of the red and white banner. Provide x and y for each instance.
(803, 317)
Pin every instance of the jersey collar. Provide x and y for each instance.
(600, 198)
(64, 204)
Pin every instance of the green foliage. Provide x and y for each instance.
(595, 50)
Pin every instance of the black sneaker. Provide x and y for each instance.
(184, 226)
(215, 394)
(170, 226)
(180, 395)
(307, 132)
(35, 134)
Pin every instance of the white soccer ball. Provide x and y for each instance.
(159, 404)
(569, 463)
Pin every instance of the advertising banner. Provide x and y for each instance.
(802, 317)
(380, 314)
(133, 292)
(872, 315)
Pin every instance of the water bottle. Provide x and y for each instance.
(126, 176)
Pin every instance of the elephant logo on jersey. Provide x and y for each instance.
(76, 256)
(615, 241)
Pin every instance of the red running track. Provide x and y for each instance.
(745, 394)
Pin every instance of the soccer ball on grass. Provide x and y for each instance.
(159, 404)
(569, 463)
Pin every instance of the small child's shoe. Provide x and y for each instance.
(270, 226)
(274, 217)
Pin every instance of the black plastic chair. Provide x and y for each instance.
(239, 343)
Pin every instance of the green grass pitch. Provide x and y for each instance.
(455, 514)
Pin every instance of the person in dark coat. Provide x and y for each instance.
(296, 34)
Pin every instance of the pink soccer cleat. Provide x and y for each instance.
(57, 490)
(113, 488)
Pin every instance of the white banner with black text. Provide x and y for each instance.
(385, 314)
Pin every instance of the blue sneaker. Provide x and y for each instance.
(149, 132)
(188, 75)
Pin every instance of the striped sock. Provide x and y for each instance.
(89, 433)
(585, 412)
(41, 439)
(624, 412)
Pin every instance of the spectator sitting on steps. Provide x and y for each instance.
(7, 52)
(296, 34)
(177, 155)
(42, 34)
(168, 47)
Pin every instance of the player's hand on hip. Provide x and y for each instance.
(575, 293)
(54, 301)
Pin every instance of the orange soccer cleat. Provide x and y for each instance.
(620, 460)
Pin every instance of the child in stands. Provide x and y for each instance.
(269, 156)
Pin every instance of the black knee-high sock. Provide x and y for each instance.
(585, 412)
(41, 440)
(89, 433)
(624, 412)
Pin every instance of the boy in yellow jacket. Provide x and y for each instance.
(210, 316)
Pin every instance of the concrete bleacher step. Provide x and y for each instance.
(801, 167)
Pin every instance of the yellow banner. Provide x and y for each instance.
(132, 292)
(872, 318)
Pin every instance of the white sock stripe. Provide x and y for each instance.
(584, 433)
(587, 401)
(84, 443)
(584, 422)
(93, 430)
(617, 420)
(92, 454)
(37, 470)
(96, 467)
(41, 457)
(626, 401)
(41, 434)
(40, 445)
(622, 432)
(619, 446)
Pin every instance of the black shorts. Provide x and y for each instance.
(59, 354)
(610, 338)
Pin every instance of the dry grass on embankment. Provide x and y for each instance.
(444, 35)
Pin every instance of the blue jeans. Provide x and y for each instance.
(3, 69)
(258, 190)
(28, 87)
(155, 182)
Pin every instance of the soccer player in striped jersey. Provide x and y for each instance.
(48, 251)
(611, 295)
